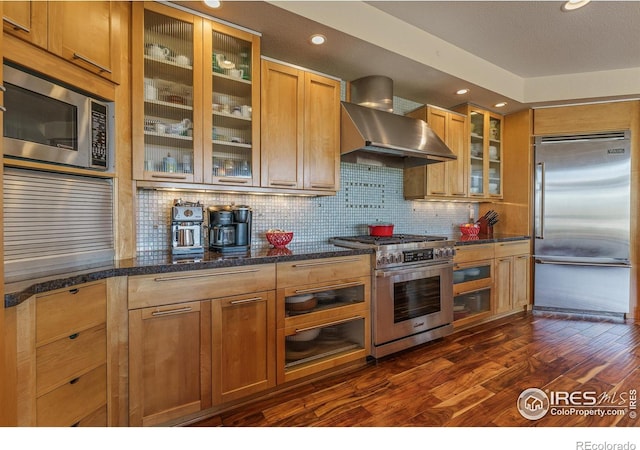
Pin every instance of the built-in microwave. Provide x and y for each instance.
(50, 122)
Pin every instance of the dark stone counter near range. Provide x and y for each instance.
(164, 262)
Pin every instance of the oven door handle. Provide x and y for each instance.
(412, 270)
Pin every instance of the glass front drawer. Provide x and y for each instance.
(313, 300)
(470, 303)
(474, 273)
(314, 344)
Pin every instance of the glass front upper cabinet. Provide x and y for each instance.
(485, 154)
(170, 95)
(232, 127)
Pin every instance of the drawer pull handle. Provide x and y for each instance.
(327, 288)
(472, 291)
(186, 277)
(174, 177)
(16, 26)
(74, 291)
(74, 335)
(89, 61)
(330, 324)
(247, 300)
(3, 109)
(324, 263)
(171, 311)
(74, 381)
(233, 180)
(75, 424)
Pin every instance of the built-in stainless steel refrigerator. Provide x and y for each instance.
(581, 222)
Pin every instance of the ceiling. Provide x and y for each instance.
(527, 53)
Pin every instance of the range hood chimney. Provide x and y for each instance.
(372, 134)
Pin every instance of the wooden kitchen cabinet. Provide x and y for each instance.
(300, 129)
(513, 265)
(331, 331)
(473, 277)
(169, 362)
(484, 169)
(62, 358)
(448, 179)
(244, 347)
(91, 41)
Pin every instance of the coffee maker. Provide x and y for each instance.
(229, 228)
(187, 234)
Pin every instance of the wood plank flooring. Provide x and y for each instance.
(472, 378)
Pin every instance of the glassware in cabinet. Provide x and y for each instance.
(168, 95)
(476, 159)
(495, 156)
(234, 87)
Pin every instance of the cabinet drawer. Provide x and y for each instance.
(62, 360)
(512, 248)
(300, 273)
(163, 289)
(474, 252)
(97, 418)
(73, 401)
(64, 313)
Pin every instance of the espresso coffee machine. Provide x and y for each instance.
(187, 233)
(229, 228)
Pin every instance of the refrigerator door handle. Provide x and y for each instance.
(572, 263)
(539, 201)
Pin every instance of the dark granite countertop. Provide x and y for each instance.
(163, 262)
(484, 239)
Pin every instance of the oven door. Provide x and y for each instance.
(412, 300)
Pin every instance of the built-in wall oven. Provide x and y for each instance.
(412, 289)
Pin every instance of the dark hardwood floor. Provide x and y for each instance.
(472, 378)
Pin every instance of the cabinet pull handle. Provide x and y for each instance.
(322, 186)
(172, 311)
(523, 257)
(74, 291)
(3, 109)
(247, 300)
(281, 183)
(88, 61)
(74, 381)
(75, 424)
(324, 263)
(175, 177)
(74, 336)
(16, 26)
(233, 180)
(2, 88)
(324, 288)
(186, 277)
(330, 324)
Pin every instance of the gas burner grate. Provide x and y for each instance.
(391, 240)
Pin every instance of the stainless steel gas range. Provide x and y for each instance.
(412, 289)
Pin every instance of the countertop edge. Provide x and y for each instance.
(18, 292)
(480, 239)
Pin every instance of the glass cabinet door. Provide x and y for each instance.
(170, 68)
(235, 109)
(476, 124)
(495, 156)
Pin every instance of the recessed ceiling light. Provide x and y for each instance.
(500, 105)
(318, 39)
(572, 5)
(462, 91)
(212, 3)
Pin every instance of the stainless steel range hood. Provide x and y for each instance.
(372, 134)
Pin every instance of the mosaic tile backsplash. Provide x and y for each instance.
(368, 194)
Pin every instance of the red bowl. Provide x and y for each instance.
(382, 230)
(473, 230)
(280, 240)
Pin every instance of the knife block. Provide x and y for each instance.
(485, 228)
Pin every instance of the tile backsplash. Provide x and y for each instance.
(368, 194)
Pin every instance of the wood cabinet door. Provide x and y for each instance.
(282, 95)
(90, 40)
(169, 362)
(457, 139)
(437, 173)
(503, 277)
(321, 133)
(520, 285)
(26, 20)
(244, 353)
